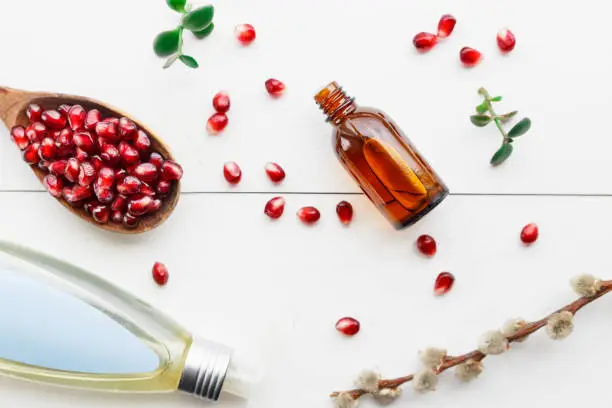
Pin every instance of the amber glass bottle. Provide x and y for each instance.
(381, 159)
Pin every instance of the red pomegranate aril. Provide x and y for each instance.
(36, 132)
(142, 141)
(53, 119)
(81, 155)
(119, 204)
(113, 120)
(163, 188)
(139, 205)
(97, 162)
(110, 155)
(58, 167)
(43, 164)
(76, 117)
(275, 87)
(160, 273)
(129, 155)
(245, 33)
(64, 109)
(76, 194)
(147, 190)
(116, 217)
(34, 113)
(155, 206)
(275, 207)
(530, 233)
(469, 56)
(232, 172)
(348, 326)
(171, 171)
(146, 172)
(120, 175)
(108, 130)
(19, 137)
(308, 215)
(65, 139)
(105, 195)
(91, 120)
(54, 185)
(444, 283)
(344, 209)
(129, 185)
(72, 169)
(100, 213)
(427, 245)
(216, 123)
(275, 172)
(88, 205)
(87, 174)
(30, 154)
(446, 25)
(47, 149)
(506, 40)
(221, 102)
(127, 127)
(84, 141)
(424, 42)
(130, 221)
(156, 159)
(106, 177)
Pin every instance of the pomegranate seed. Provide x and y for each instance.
(47, 149)
(139, 205)
(275, 207)
(19, 137)
(427, 245)
(469, 56)
(116, 217)
(216, 123)
(30, 154)
(108, 130)
(444, 283)
(129, 185)
(424, 42)
(446, 25)
(160, 273)
(156, 159)
(87, 174)
(81, 155)
(36, 132)
(53, 184)
(142, 141)
(129, 155)
(114, 121)
(76, 117)
(171, 171)
(146, 172)
(147, 190)
(76, 194)
(506, 40)
(97, 162)
(53, 119)
(64, 139)
(72, 169)
(308, 215)
(34, 113)
(155, 206)
(275, 87)
(91, 120)
(530, 233)
(100, 213)
(43, 164)
(119, 204)
(232, 172)
(84, 141)
(245, 33)
(275, 172)
(89, 205)
(163, 188)
(130, 221)
(110, 155)
(221, 102)
(344, 209)
(105, 195)
(64, 109)
(58, 167)
(348, 326)
(106, 178)
(127, 127)
(120, 175)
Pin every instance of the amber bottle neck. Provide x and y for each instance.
(335, 103)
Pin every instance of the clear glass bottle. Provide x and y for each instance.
(62, 325)
(381, 159)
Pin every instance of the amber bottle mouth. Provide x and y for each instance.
(334, 102)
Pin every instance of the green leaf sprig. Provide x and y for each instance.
(170, 43)
(486, 114)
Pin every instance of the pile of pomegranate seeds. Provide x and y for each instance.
(506, 40)
(102, 164)
(427, 245)
(275, 87)
(424, 42)
(232, 172)
(344, 209)
(245, 34)
(308, 215)
(530, 233)
(444, 283)
(469, 56)
(348, 326)
(275, 207)
(160, 273)
(275, 172)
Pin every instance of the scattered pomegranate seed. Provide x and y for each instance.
(72, 169)
(216, 123)
(139, 204)
(130, 221)
(232, 172)
(53, 119)
(100, 213)
(275, 207)
(506, 40)
(221, 102)
(142, 141)
(348, 326)
(129, 185)
(76, 117)
(530, 233)
(160, 273)
(54, 185)
(163, 188)
(427, 245)
(344, 209)
(34, 113)
(19, 137)
(446, 25)
(58, 168)
(171, 171)
(30, 154)
(469, 56)
(275, 172)
(129, 154)
(127, 127)
(156, 159)
(245, 33)
(36, 132)
(91, 120)
(424, 42)
(275, 87)
(87, 174)
(308, 215)
(444, 283)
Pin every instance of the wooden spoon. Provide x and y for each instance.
(13, 105)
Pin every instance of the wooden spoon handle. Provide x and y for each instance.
(12, 101)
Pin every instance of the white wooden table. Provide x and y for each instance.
(283, 285)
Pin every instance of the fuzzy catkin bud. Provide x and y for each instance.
(424, 381)
(560, 325)
(469, 370)
(368, 381)
(345, 400)
(493, 342)
(432, 357)
(512, 326)
(387, 395)
(586, 285)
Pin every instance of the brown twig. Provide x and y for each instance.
(477, 355)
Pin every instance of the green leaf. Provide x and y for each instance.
(482, 108)
(520, 128)
(507, 116)
(205, 32)
(502, 154)
(177, 5)
(496, 99)
(189, 61)
(480, 120)
(199, 19)
(171, 61)
(167, 43)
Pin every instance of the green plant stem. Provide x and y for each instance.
(489, 106)
(180, 46)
